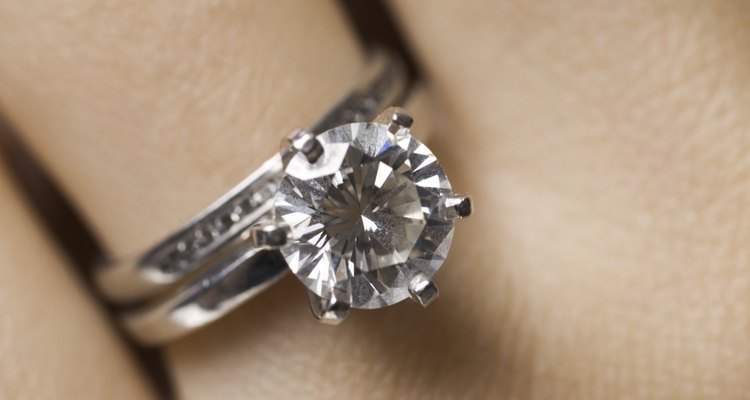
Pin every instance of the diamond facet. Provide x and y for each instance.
(365, 217)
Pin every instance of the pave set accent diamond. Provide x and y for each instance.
(189, 246)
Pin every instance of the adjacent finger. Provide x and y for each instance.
(606, 147)
(54, 340)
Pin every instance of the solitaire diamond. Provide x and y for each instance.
(366, 216)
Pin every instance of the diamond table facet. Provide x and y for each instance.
(365, 217)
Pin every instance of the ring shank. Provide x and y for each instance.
(216, 228)
(209, 267)
(239, 276)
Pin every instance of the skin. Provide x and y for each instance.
(44, 313)
(604, 143)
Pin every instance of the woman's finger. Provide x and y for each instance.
(147, 112)
(55, 342)
(606, 144)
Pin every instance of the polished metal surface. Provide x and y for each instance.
(458, 206)
(423, 290)
(239, 276)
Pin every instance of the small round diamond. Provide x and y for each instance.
(365, 217)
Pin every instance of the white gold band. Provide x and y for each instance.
(214, 230)
(242, 272)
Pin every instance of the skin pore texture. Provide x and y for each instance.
(605, 144)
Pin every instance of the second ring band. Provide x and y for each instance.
(242, 271)
(210, 232)
(357, 207)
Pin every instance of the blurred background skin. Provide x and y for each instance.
(605, 144)
(54, 341)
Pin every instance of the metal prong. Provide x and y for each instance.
(330, 311)
(423, 290)
(306, 143)
(396, 118)
(269, 235)
(458, 206)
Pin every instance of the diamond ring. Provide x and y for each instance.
(356, 207)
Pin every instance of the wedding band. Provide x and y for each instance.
(134, 279)
(360, 212)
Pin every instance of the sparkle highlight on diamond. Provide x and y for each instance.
(365, 216)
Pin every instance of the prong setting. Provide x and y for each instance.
(331, 310)
(305, 142)
(396, 118)
(359, 185)
(423, 290)
(458, 206)
(269, 235)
